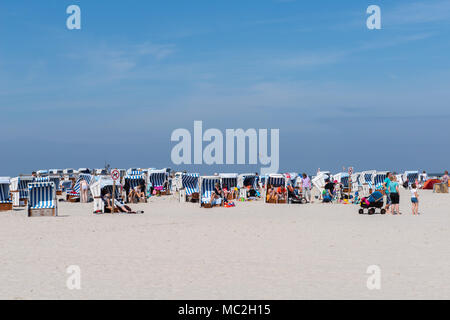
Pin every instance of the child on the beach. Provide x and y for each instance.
(414, 199)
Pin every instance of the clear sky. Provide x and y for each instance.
(116, 89)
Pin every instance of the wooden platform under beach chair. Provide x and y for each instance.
(42, 199)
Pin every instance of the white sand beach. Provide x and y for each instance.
(252, 251)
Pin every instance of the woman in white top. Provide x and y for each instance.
(414, 199)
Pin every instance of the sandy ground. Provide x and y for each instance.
(253, 251)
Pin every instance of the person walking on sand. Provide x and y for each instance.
(414, 199)
(395, 196)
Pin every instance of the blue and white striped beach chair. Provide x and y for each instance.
(411, 177)
(207, 184)
(75, 192)
(133, 181)
(42, 199)
(42, 179)
(378, 180)
(19, 190)
(158, 180)
(367, 181)
(5, 195)
(190, 183)
(247, 180)
(229, 181)
(276, 180)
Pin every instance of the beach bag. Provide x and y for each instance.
(327, 198)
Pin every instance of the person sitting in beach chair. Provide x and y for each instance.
(106, 197)
(271, 194)
(217, 194)
(137, 194)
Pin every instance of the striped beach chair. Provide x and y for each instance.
(42, 179)
(276, 180)
(342, 178)
(245, 182)
(190, 183)
(378, 180)
(207, 184)
(5, 195)
(42, 173)
(19, 190)
(68, 173)
(133, 181)
(42, 199)
(74, 193)
(367, 181)
(229, 181)
(57, 181)
(411, 177)
(158, 180)
(189, 187)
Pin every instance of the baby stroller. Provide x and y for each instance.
(374, 201)
(294, 198)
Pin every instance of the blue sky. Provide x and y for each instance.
(115, 90)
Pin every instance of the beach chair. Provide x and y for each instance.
(19, 190)
(133, 181)
(248, 185)
(229, 181)
(367, 182)
(68, 173)
(42, 179)
(342, 178)
(411, 177)
(189, 190)
(159, 180)
(276, 180)
(42, 173)
(74, 194)
(378, 180)
(356, 183)
(104, 184)
(42, 199)
(57, 181)
(262, 182)
(207, 184)
(5, 195)
(56, 172)
(318, 181)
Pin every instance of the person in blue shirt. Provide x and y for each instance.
(386, 184)
(394, 194)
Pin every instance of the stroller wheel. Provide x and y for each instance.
(304, 201)
(361, 211)
(383, 211)
(371, 211)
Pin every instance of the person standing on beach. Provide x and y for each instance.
(445, 178)
(414, 199)
(84, 191)
(306, 187)
(386, 184)
(395, 196)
